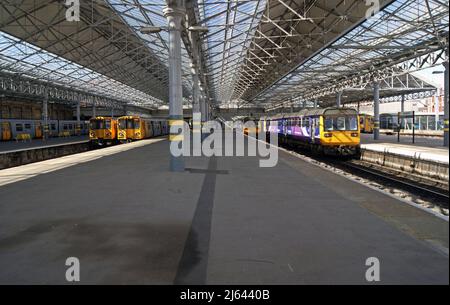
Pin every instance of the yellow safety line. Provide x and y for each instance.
(176, 122)
(176, 138)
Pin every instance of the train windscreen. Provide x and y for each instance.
(97, 124)
(127, 124)
(341, 123)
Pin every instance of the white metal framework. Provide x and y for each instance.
(257, 52)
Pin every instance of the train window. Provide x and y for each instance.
(27, 126)
(137, 124)
(123, 124)
(108, 124)
(65, 127)
(353, 123)
(97, 124)
(341, 123)
(19, 127)
(306, 122)
(329, 124)
(53, 126)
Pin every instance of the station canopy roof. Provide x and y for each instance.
(256, 52)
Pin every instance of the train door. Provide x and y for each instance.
(28, 128)
(155, 129)
(17, 128)
(313, 129)
(38, 130)
(5, 131)
(150, 129)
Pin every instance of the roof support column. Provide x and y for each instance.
(376, 111)
(338, 99)
(194, 72)
(446, 105)
(174, 13)
(195, 92)
(436, 110)
(94, 108)
(203, 108)
(402, 105)
(78, 113)
(45, 115)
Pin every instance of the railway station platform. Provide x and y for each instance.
(20, 153)
(420, 141)
(224, 220)
(426, 157)
(8, 146)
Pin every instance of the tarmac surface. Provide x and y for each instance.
(225, 220)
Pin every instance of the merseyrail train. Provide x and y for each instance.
(11, 129)
(108, 131)
(249, 129)
(132, 128)
(334, 131)
(366, 122)
(103, 131)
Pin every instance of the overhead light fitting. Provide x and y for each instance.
(150, 29)
(198, 28)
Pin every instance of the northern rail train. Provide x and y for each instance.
(334, 131)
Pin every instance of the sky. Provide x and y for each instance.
(436, 79)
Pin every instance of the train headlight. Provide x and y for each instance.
(355, 134)
(328, 135)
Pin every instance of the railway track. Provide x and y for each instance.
(418, 188)
(427, 192)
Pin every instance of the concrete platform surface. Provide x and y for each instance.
(6, 146)
(420, 141)
(223, 221)
(439, 155)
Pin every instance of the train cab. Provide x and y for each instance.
(5, 131)
(102, 131)
(131, 128)
(366, 122)
(341, 130)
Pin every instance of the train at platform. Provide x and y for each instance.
(251, 126)
(11, 129)
(329, 131)
(425, 124)
(366, 122)
(105, 131)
